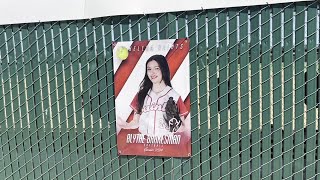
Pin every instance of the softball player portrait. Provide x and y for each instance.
(158, 108)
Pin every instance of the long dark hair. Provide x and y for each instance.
(146, 83)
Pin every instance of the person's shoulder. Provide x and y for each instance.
(173, 93)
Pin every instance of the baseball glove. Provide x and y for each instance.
(172, 117)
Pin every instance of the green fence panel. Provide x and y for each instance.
(254, 89)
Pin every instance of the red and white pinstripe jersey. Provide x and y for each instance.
(151, 120)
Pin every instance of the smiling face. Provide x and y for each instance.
(154, 72)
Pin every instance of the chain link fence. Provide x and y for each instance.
(254, 95)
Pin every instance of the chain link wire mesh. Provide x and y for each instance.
(254, 95)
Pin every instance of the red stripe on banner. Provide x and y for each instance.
(127, 66)
(130, 118)
(187, 102)
(177, 54)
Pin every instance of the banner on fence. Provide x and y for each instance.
(152, 97)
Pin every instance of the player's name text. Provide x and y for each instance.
(144, 139)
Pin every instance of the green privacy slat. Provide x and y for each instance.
(42, 100)
(118, 24)
(158, 168)
(79, 102)
(311, 91)
(104, 100)
(21, 99)
(4, 133)
(181, 16)
(299, 96)
(195, 144)
(255, 91)
(170, 25)
(213, 94)
(32, 96)
(115, 173)
(233, 77)
(7, 118)
(72, 90)
(10, 103)
(90, 85)
(17, 135)
(144, 27)
(164, 24)
(51, 112)
(63, 97)
(76, 101)
(98, 26)
(36, 51)
(27, 166)
(125, 28)
(2, 110)
(80, 107)
(203, 99)
(318, 105)
(135, 27)
(57, 96)
(223, 93)
(277, 92)
(153, 27)
(244, 89)
(2, 173)
(185, 163)
(22, 106)
(265, 96)
(288, 96)
(15, 95)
